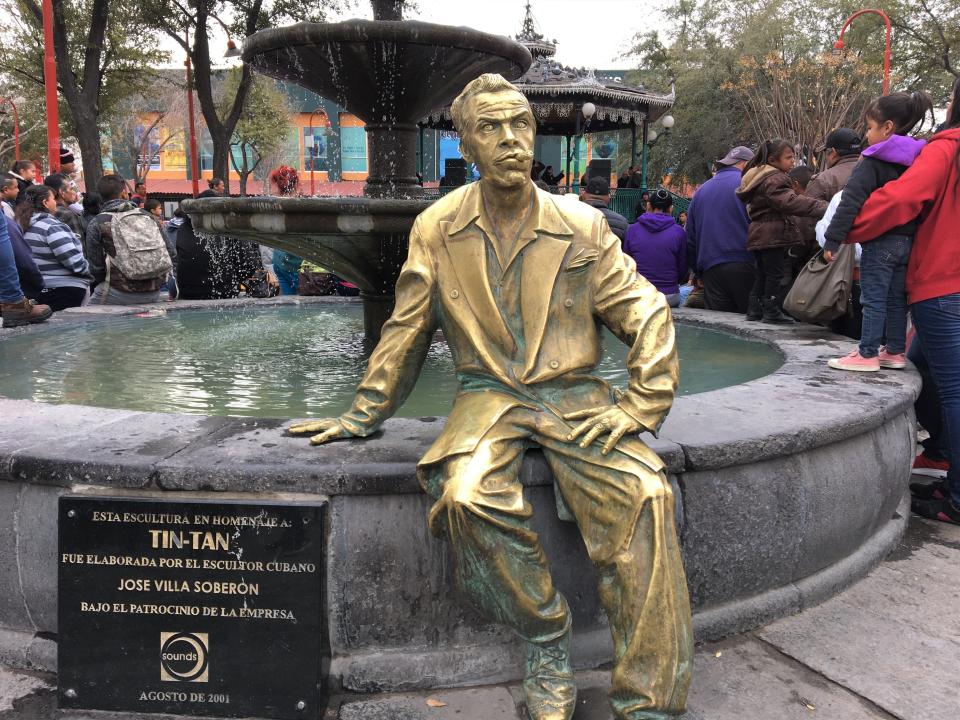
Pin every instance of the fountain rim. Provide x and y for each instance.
(853, 406)
(411, 32)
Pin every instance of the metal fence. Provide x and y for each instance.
(622, 200)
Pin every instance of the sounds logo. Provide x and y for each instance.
(183, 656)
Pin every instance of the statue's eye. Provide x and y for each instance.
(521, 123)
(486, 127)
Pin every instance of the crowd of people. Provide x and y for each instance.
(114, 247)
(891, 198)
(888, 197)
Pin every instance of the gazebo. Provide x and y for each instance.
(571, 102)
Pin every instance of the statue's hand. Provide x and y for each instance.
(327, 429)
(599, 421)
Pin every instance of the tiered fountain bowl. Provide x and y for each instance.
(390, 74)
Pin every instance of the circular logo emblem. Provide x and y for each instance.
(184, 656)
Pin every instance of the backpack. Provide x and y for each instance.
(821, 292)
(141, 252)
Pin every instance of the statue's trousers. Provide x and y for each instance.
(625, 512)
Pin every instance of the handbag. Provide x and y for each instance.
(821, 292)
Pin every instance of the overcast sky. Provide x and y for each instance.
(589, 33)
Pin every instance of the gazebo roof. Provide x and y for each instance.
(557, 92)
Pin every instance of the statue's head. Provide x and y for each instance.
(497, 130)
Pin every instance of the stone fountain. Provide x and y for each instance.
(390, 74)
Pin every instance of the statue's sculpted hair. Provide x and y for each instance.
(488, 82)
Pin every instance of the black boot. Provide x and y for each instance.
(772, 313)
(754, 308)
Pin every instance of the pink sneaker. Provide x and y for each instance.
(856, 362)
(894, 362)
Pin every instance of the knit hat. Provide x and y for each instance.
(598, 185)
(66, 157)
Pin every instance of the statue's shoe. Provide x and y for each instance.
(549, 687)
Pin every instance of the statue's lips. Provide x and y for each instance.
(519, 159)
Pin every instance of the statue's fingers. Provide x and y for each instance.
(596, 431)
(582, 428)
(307, 428)
(332, 433)
(580, 414)
(612, 441)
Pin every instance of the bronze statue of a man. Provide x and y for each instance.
(518, 281)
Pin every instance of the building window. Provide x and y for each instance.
(353, 148)
(315, 141)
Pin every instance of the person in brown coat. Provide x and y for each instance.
(843, 147)
(773, 205)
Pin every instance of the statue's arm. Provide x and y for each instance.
(638, 314)
(395, 364)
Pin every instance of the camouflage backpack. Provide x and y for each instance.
(141, 252)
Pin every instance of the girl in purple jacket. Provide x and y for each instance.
(659, 246)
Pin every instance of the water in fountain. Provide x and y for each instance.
(282, 361)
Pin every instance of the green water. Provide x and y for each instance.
(280, 361)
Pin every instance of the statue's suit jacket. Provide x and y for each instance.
(574, 277)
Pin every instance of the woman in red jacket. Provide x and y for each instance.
(930, 189)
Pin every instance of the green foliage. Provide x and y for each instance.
(262, 128)
(126, 55)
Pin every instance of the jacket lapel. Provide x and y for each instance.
(468, 254)
(541, 262)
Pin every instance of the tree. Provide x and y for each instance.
(142, 125)
(802, 100)
(102, 52)
(244, 17)
(262, 127)
(759, 68)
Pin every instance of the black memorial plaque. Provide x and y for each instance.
(193, 608)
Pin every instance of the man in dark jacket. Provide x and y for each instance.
(597, 194)
(717, 236)
(843, 148)
(99, 244)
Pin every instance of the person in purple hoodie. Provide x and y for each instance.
(883, 264)
(659, 246)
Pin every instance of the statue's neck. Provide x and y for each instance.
(506, 202)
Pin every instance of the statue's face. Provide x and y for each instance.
(499, 137)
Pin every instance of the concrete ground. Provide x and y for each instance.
(886, 649)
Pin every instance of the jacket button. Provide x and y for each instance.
(454, 294)
(568, 303)
(554, 364)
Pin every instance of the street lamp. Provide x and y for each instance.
(16, 128)
(838, 46)
(668, 121)
(587, 110)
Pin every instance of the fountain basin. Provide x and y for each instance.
(789, 487)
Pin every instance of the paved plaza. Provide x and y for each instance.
(880, 651)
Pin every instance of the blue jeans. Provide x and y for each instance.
(10, 291)
(883, 294)
(938, 328)
(289, 281)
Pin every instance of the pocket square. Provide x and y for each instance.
(582, 259)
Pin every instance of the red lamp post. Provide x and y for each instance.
(50, 85)
(838, 45)
(194, 169)
(16, 128)
(313, 157)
